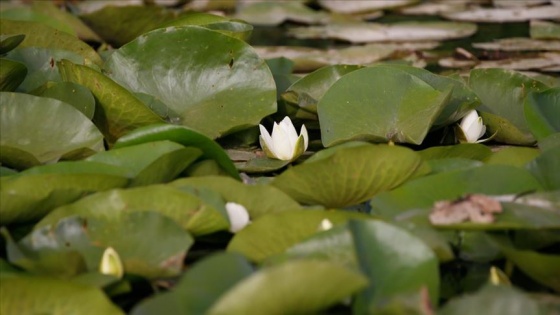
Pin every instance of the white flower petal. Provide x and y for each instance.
(289, 129)
(111, 263)
(303, 132)
(238, 216)
(283, 149)
(326, 224)
(266, 138)
(472, 126)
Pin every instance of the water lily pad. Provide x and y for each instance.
(379, 104)
(219, 87)
(338, 181)
(307, 91)
(188, 210)
(26, 13)
(257, 199)
(9, 42)
(148, 244)
(502, 15)
(71, 93)
(46, 128)
(260, 165)
(550, 142)
(12, 74)
(541, 109)
(351, 7)
(544, 30)
(274, 233)
(473, 151)
(492, 300)
(36, 295)
(517, 44)
(300, 286)
(40, 35)
(395, 261)
(41, 64)
(504, 102)
(397, 32)
(150, 163)
(424, 191)
(546, 168)
(231, 27)
(33, 193)
(274, 13)
(515, 156)
(118, 111)
(185, 136)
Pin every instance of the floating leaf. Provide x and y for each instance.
(40, 35)
(338, 180)
(185, 136)
(150, 163)
(546, 168)
(544, 30)
(25, 13)
(423, 192)
(118, 111)
(71, 93)
(473, 151)
(45, 128)
(379, 104)
(275, 13)
(396, 32)
(299, 286)
(515, 156)
(42, 295)
(219, 87)
(501, 15)
(235, 28)
(276, 232)
(12, 74)
(504, 103)
(307, 91)
(200, 287)
(31, 194)
(257, 199)
(395, 261)
(517, 44)
(541, 109)
(351, 7)
(187, 209)
(9, 42)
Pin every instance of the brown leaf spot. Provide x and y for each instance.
(471, 208)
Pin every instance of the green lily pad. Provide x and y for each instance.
(295, 287)
(45, 128)
(185, 136)
(473, 151)
(423, 192)
(200, 287)
(12, 74)
(118, 111)
(261, 165)
(26, 13)
(379, 104)
(541, 112)
(43, 295)
(307, 91)
(519, 43)
(149, 244)
(231, 27)
(257, 199)
(187, 209)
(460, 102)
(151, 162)
(275, 13)
(503, 15)
(395, 262)
(337, 180)
(451, 164)
(550, 142)
(274, 233)
(33, 193)
(41, 64)
(9, 42)
(119, 25)
(492, 300)
(353, 7)
(544, 30)
(71, 93)
(515, 156)
(219, 87)
(502, 93)
(40, 35)
(546, 168)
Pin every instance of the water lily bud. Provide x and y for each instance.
(284, 143)
(111, 263)
(238, 216)
(471, 127)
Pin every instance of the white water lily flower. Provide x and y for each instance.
(472, 127)
(238, 216)
(111, 263)
(284, 144)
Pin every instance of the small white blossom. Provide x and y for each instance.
(238, 216)
(284, 144)
(111, 263)
(472, 127)
(326, 224)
